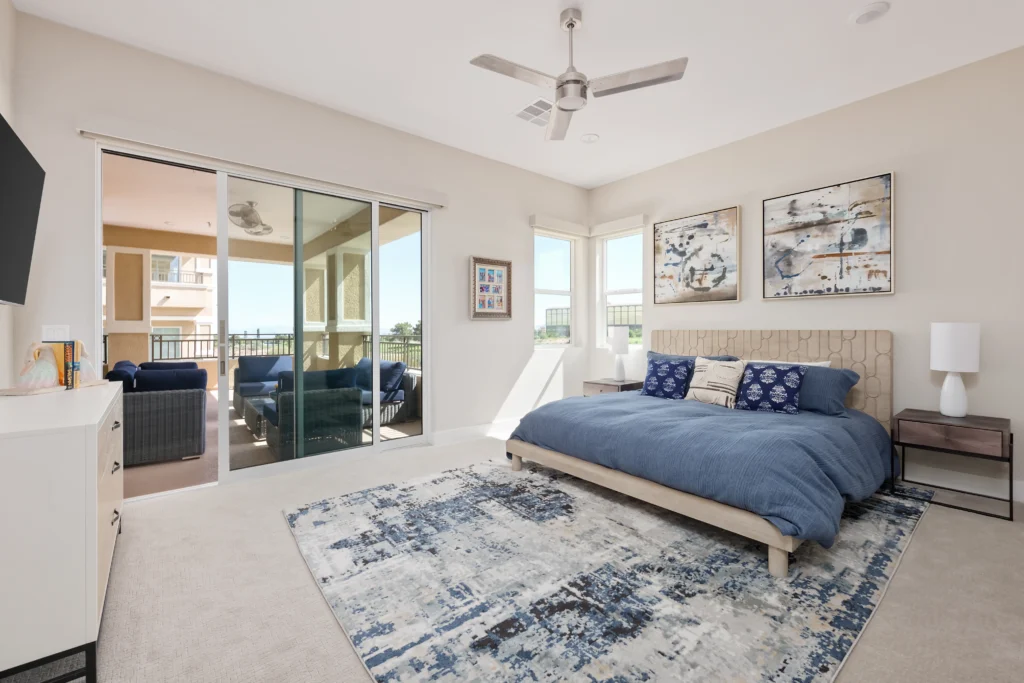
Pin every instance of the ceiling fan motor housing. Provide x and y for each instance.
(571, 93)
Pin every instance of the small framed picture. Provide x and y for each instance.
(490, 289)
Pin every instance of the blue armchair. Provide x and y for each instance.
(257, 376)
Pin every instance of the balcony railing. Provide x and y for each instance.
(204, 346)
(405, 348)
(189, 277)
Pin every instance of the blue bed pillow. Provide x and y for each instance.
(667, 377)
(771, 387)
(654, 355)
(824, 390)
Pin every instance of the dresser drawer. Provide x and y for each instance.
(971, 440)
(109, 504)
(110, 440)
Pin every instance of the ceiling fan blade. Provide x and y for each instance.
(517, 71)
(665, 72)
(558, 124)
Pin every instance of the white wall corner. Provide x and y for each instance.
(619, 225)
(558, 225)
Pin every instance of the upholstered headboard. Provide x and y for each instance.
(866, 352)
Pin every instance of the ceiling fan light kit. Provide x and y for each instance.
(572, 88)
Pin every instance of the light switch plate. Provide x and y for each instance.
(56, 333)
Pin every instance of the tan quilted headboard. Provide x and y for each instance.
(866, 352)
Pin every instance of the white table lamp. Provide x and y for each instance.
(956, 348)
(619, 339)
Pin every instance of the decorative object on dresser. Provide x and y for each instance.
(61, 501)
(619, 339)
(548, 577)
(490, 289)
(973, 436)
(697, 259)
(593, 387)
(956, 348)
(834, 240)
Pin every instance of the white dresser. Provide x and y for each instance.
(61, 489)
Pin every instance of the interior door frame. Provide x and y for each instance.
(224, 169)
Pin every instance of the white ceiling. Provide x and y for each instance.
(754, 65)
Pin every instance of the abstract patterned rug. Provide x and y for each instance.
(487, 574)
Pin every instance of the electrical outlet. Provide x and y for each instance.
(56, 333)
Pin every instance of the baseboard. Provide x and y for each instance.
(500, 429)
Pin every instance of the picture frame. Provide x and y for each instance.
(490, 289)
(835, 240)
(698, 258)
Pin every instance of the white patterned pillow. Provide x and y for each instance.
(716, 381)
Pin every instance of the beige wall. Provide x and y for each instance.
(127, 346)
(129, 270)
(8, 352)
(67, 79)
(955, 143)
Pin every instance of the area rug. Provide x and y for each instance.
(487, 574)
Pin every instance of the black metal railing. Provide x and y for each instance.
(189, 277)
(104, 349)
(204, 346)
(406, 348)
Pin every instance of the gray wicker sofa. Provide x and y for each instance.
(164, 411)
(332, 421)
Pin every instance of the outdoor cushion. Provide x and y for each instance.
(339, 378)
(270, 413)
(391, 373)
(169, 365)
(169, 380)
(262, 368)
(384, 397)
(124, 372)
(256, 388)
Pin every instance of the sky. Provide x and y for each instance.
(551, 271)
(261, 295)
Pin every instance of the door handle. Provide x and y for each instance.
(116, 467)
(117, 516)
(117, 425)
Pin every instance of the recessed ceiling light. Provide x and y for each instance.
(589, 138)
(170, 223)
(870, 12)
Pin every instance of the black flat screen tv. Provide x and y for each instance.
(21, 191)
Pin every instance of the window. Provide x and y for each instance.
(165, 268)
(552, 290)
(621, 299)
(166, 343)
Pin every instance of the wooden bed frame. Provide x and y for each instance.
(867, 352)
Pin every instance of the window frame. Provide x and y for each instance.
(571, 239)
(603, 292)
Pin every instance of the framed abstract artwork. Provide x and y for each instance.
(832, 241)
(697, 259)
(490, 289)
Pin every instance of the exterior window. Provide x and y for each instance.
(552, 290)
(166, 343)
(621, 299)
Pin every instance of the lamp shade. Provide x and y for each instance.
(956, 347)
(619, 339)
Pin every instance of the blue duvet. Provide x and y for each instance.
(796, 471)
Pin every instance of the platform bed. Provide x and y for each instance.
(869, 352)
(716, 514)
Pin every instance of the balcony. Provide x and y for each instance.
(184, 277)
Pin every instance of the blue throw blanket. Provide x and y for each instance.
(796, 471)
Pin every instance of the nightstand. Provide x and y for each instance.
(610, 386)
(974, 436)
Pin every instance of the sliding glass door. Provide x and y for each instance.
(309, 365)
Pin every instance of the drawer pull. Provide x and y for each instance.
(117, 516)
(117, 425)
(116, 467)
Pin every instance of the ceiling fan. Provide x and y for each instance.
(571, 87)
(246, 217)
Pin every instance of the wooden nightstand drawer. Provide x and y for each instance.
(971, 440)
(610, 386)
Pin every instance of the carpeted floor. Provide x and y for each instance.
(208, 585)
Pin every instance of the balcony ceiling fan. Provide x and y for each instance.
(246, 217)
(571, 88)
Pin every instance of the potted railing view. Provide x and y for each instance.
(204, 346)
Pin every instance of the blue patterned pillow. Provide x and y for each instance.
(667, 378)
(771, 387)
